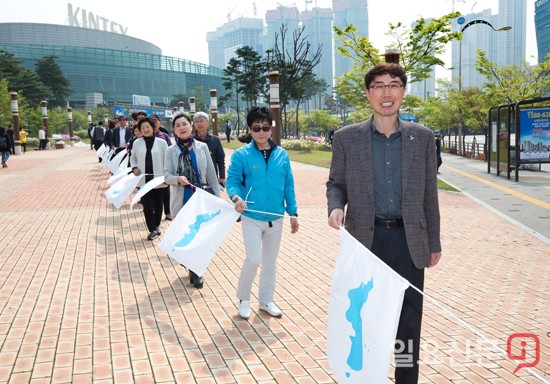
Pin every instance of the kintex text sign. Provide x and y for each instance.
(82, 18)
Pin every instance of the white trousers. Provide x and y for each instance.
(262, 244)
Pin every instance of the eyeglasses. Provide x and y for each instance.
(256, 128)
(393, 87)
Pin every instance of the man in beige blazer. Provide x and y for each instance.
(385, 171)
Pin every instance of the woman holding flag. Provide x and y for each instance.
(148, 154)
(188, 166)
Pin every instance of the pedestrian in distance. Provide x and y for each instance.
(148, 154)
(438, 140)
(10, 133)
(188, 166)
(98, 136)
(384, 171)
(23, 138)
(42, 138)
(228, 131)
(260, 175)
(4, 147)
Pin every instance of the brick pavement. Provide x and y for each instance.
(84, 297)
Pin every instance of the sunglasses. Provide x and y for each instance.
(265, 128)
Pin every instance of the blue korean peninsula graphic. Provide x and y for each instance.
(357, 297)
(194, 228)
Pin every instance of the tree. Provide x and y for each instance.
(252, 75)
(316, 87)
(418, 48)
(176, 98)
(295, 62)
(245, 75)
(5, 104)
(21, 79)
(51, 75)
(322, 120)
(513, 83)
(338, 105)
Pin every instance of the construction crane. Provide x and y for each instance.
(230, 12)
(308, 2)
(456, 1)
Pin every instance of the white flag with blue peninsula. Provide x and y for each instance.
(364, 309)
(122, 189)
(199, 228)
(115, 162)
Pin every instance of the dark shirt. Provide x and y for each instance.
(216, 152)
(149, 142)
(164, 136)
(387, 166)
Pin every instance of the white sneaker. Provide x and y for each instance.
(272, 309)
(244, 309)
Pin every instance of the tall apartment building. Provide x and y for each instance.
(511, 45)
(317, 24)
(234, 34)
(542, 28)
(348, 12)
(286, 17)
(503, 47)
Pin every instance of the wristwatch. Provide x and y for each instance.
(235, 198)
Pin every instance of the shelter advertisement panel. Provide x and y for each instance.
(534, 135)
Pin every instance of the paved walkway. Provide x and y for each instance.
(84, 297)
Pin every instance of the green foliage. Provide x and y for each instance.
(421, 46)
(359, 115)
(513, 83)
(418, 47)
(304, 145)
(22, 80)
(245, 74)
(51, 75)
(321, 120)
(5, 105)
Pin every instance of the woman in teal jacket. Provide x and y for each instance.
(261, 185)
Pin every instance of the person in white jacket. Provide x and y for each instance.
(148, 155)
(188, 166)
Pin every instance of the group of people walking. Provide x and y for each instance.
(382, 186)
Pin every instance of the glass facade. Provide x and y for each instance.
(542, 27)
(117, 73)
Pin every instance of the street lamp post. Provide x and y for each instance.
(461, 21)
(71, 127)
(214, 111)
(15, 123)
(192, 107)
(275, 105)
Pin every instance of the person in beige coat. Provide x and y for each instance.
(384, 173)
(188, 166)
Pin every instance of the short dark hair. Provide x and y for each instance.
(136, 114)
(155, 116)
(180, 115)
(146, 119)
(394, 70)
(259, 114)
